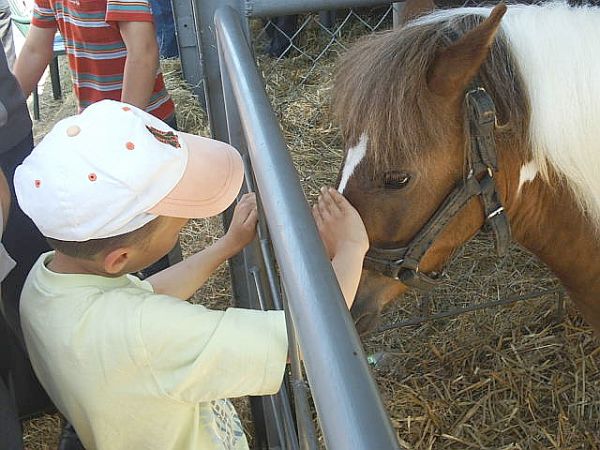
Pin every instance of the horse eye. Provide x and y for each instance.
(395, 180)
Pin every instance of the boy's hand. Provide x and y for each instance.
(243, 223)
(339, 224)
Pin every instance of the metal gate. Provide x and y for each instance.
(286, 267)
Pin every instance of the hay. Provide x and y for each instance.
(42, 433)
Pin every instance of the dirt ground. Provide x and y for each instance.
(525, 376)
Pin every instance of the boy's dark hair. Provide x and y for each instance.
(90, 249)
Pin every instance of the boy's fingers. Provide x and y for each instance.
(342, 203)
(329, 201)
(248, 198)
(246, 203)
(338, 198)
(319, 220)
(317, 215)
(252, 217)
(324, 209)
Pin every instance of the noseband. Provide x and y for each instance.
(402, 263)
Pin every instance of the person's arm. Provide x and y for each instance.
(4, 198)
(35, 56)
(183, 279)
(345, 238)
(141, 64)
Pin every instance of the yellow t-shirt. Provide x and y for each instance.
(132, 370)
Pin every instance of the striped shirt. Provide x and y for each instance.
(95, 48)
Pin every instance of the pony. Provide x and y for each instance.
(473, 116)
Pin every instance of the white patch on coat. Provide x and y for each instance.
(528, 173)
(353, 158)
(556, 50)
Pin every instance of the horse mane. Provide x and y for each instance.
(381, 90)
(540, 51)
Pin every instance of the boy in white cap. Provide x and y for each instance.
(129, 363)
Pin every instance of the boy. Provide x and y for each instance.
(129, 363)
(112, 51)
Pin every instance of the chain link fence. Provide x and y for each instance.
(314, 39)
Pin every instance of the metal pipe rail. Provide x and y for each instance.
(266, 8)
(350, 410)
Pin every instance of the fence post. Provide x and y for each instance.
(397, 13)
(191, 62)
(213, 91)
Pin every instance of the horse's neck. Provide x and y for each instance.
(546, 220)
(555, 48)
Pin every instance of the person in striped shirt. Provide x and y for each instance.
(112, 51)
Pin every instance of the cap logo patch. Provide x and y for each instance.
(166, 137)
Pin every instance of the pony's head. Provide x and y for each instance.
(399, 98)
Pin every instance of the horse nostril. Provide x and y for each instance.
(365, 313)
(366, 323)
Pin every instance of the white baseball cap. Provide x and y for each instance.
(113, 168)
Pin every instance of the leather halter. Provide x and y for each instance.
(402, 263)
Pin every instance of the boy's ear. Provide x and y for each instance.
(116, 260)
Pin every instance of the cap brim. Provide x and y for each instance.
(210, 183)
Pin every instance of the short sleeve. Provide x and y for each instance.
(43, 15)
(199, 355)
(128, 11)
(142, 284)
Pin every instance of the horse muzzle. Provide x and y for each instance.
(374, 293)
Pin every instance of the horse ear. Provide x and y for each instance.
(415, 8)
(456, 65)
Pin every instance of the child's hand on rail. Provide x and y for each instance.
(242, 229)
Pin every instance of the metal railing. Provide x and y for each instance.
(348, 406)
(269, 8)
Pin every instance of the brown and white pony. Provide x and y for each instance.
(399, 98)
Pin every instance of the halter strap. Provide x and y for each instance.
(402, 263)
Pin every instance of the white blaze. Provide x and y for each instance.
(528, 173)
(353, 158)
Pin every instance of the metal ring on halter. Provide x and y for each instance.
(496, 212)
(472, 91)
